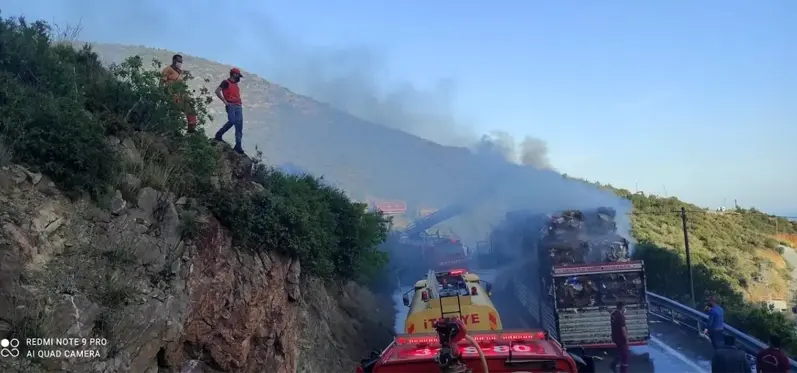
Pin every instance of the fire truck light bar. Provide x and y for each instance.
(518, 336)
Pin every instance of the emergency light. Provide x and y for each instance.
(515, 336)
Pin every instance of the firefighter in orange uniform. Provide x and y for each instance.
(171, 74)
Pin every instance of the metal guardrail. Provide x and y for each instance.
(691, 318)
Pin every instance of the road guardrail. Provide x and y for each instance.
(691, 318)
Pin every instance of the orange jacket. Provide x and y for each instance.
(169, 74)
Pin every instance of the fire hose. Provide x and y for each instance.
(450, 332)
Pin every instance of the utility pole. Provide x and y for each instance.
(688, 258)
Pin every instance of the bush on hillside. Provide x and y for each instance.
(59, 106)
(300, 216)
(42, 115)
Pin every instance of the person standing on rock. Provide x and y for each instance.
(171, 74)
(230, 94)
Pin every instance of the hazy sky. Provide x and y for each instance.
(697, 99)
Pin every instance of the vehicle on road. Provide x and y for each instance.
(484, 352)
(454, 293)
(442, 253)
(576, 269)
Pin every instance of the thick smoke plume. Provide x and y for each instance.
(355, 80)
(531, 151)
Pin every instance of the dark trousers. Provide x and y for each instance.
(235, 118)
(716, 337)
(621, 354)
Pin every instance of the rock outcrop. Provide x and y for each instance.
(126, 272)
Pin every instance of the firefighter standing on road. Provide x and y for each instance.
(230, 94)
(729, 359)
(620, 339)
(173, 73)
(772, 359)
(715, 328)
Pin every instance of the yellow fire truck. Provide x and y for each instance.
(454, 293)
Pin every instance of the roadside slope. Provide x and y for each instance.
(736, 256)
(369, 160)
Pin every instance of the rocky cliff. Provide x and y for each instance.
(159, 278)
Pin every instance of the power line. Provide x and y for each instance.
(665, 212)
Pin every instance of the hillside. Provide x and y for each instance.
(371, 160)
(290, 128)
(736, 255)
(175, 252)
(740, 246)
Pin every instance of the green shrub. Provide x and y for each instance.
(302, 217)
(58, 105)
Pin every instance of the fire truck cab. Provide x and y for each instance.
(504, 352)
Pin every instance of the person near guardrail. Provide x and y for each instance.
(729, 359)
(620, 339)
(715, 328)
(772, 359)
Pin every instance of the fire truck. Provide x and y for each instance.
(444, 252)
(411, 257)
(453, 327)
(454, 293)
(459, 351)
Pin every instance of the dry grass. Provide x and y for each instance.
(777, 261)
(155, 170)
(775, 287)
(66, 34)
(787, 237)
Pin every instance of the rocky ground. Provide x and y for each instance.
(126, 270)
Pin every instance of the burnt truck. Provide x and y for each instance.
(444, 252)
(413, 256)
(575, 270)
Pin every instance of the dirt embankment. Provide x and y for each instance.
(124, 270)
(788, 237)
